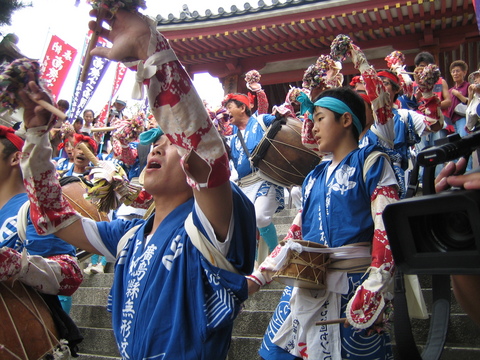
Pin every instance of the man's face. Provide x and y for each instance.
(236, 112)
(163, 172)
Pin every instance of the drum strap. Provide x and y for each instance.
(350, 265)
(22, 221)
(249, 179)
(261, 122)
(210, 252)
(242, 141)
(370, 160)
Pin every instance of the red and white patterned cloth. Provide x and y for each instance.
(176, 105)
(54, 275)
(179, 111)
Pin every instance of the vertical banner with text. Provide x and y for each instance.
(56, 64)
(119, 75)
(84, 90)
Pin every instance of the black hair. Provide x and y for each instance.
(425, 57)
(63, 103)
(352, 99)
(239, 104)
(395, 86)
(8, 148)
(72, 179)
(79, 119)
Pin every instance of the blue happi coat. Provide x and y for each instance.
(405, 137)
(252, 136)
(336, 212)
(42, 245)
(167, 301)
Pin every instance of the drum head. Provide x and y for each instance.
(306, 270)
(75, 193)
(282, 157)
(28, 328)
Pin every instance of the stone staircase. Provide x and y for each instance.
(89, 312)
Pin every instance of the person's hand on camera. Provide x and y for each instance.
(451, 175)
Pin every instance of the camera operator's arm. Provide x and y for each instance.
(465, 287)
(467, 292)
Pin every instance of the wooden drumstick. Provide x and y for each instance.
(99, 129)
(88, 153)
(47, 106)
(330, 322)
(93, 42)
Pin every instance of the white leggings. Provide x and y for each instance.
(265, 205)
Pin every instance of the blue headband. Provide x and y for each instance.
(305, 104)
(339, 107)
(150, 136)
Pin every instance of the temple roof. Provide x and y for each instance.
(189, 17)
(251, 38)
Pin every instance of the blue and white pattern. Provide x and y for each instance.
(336, 214)
(167, 300)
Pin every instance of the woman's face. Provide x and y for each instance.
(77, 125)
(458, 74)
(88, 118)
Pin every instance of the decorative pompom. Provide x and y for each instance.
(15, 77)
(313, 77)
(340, 47)
(253, 76)
(395, 58)
(426, 77)
(292, 95)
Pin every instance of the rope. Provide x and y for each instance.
(14, 327)
(35, 313)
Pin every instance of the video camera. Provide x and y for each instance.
(438, 233)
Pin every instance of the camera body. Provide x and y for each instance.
(439, 233)
(436, 234)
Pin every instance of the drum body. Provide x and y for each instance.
(74, 192)
(28, 330)
(281, 156)
(306, 270)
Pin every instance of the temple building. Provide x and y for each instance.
(282, 38)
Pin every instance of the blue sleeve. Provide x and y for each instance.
(374, 174)
(268, 119)
(46, 245)
(112, 232)
(242, 249)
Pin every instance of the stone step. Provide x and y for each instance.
(246, 347)
(90, 296)
(90, 314)
(98, 342)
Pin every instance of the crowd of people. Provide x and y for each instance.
(185, 249)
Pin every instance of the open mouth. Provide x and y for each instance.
(154, 165)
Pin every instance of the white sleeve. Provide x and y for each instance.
(417, 119)
(93, 236)
(223, 247)
(388, 176)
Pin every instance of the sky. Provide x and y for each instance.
(35, 25)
